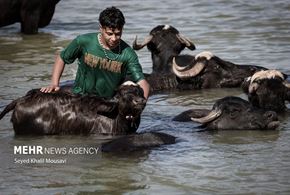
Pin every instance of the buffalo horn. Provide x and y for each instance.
(264, 74)
(210, 117)
(182, 73)
(267, 74)
(188, 43)
(137, 46)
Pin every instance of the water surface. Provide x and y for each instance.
(224, 162)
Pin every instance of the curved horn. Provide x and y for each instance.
(265, 74)
(137, 46)
(188, 43)
(177, 67)
(208, 118)
(182, 73)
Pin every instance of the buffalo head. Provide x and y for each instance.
(232, 113)
(131, 100)
(205, 70)
(268, 90)
(164, 42)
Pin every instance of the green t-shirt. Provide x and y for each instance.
(96, 73)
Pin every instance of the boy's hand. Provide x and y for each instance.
(49, 89)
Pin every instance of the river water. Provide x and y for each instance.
(224, 162)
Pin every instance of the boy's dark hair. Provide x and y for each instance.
(112, 17)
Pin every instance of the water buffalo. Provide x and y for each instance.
(164, 42)
(171, 70)
(268, 89)
(57, 113)
(231, 113)
(136, 142)
(32, 14)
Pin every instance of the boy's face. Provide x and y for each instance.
(111, 37)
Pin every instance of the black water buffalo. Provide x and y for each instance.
(40, 113)
(32, 14)
(268, 90)
(136, 142)
(171, 70)
(164, 42)
(231, 113)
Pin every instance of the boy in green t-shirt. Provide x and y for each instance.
(104, 59)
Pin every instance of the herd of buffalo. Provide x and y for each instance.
(62, 113)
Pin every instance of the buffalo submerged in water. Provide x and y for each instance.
(268, 89)
(173, 71)
(231, 113)
(62, 112)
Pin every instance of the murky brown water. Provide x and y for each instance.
(247, 162)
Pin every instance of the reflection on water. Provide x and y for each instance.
(223, 162)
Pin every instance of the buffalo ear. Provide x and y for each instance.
(117, 95)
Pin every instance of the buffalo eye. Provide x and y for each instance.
(152, 47)
(235, 112)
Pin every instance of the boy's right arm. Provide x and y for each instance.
(58, 68)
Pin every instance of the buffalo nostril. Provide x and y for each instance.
(271, 115)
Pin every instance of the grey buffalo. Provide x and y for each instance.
(231, 113)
